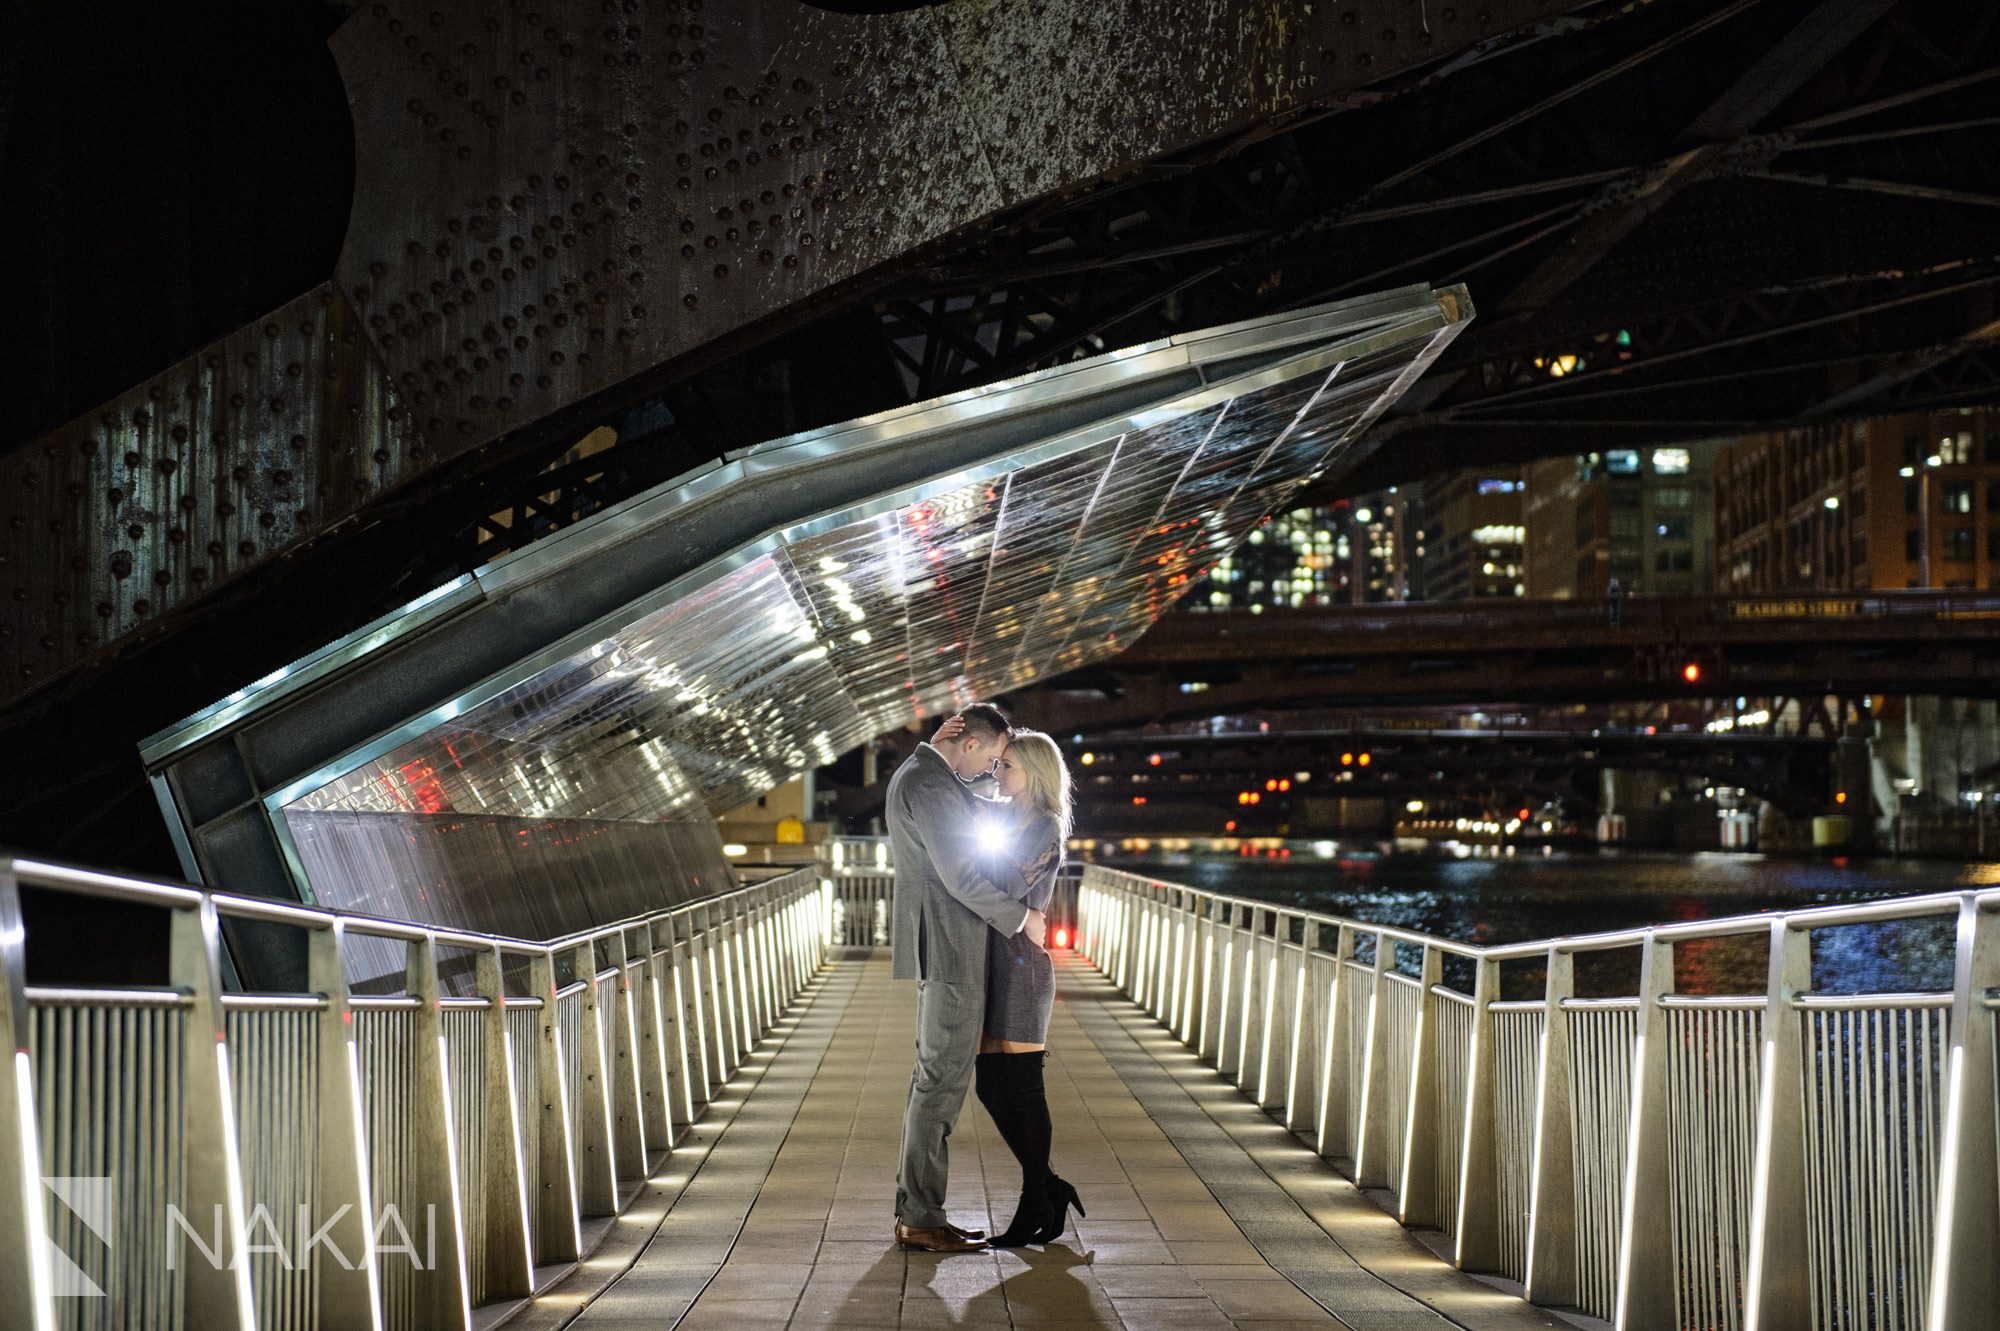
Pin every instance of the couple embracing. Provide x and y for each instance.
(974, 878)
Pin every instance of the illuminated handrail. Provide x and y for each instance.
(1660, 1160)
(511, 1118)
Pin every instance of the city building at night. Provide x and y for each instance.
(1473, 535)
(1885, 504)
(1641, 516)
(1347, 553)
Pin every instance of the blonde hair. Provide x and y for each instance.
(1048, 777)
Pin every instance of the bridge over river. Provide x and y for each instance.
(1209, 663)
(1276, 1118)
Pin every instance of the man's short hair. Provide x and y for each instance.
(984, 721)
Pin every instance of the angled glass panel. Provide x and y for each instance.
(1045, 506)
(559, 793)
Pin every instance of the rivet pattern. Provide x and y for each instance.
(231, 456)
(556, 200)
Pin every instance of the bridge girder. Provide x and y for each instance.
(1202, 664)
(556, 214)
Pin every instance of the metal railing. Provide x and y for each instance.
(1784, 1159)
(864, 885)
(184, 1157)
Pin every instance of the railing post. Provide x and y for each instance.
(702, 1057)
(627, 1096)
(558, 1215)
(1130, 935)
(1552, 1200)
(1965, 1278)
(1208, 1021)
(1143, 974)
(657, 1068)
(1228, 985)
(791, 949)
(739, 928)
(1189, 981)
(683, 1031)
(27, 1299)
(767, 993)
(1248, 988)
(798, 946)
(214, 1294)
(760, 936)
(1371, 1157)
(722, 1010)
(1478, 1227)
(445, 1285)
(711, 998)
(1417, 1200)
(1646, 1250)
(1336, 1073)
(1142, 945)
(510, 1269)
(1777, 1294)
(596, 1139)
(1302, 1100)
(350, 1296)
(1275, 1025)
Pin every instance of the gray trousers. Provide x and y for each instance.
(949, 1017)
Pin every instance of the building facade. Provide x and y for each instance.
(1354, 552)
(1894, 502)
(1473, 535)
(1643, 518)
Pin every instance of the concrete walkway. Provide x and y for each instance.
(1202, 1212)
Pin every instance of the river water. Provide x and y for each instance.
(1530, 896)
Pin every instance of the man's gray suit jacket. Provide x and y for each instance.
(943, 905)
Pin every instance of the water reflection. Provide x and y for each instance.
(1523, 898)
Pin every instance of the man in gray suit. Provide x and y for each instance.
(943, 908)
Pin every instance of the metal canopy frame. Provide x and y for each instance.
(225, 775)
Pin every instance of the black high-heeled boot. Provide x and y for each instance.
(1061, 1197)
(1010, 1086)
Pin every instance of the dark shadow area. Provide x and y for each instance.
(871, 6)
(170, 172)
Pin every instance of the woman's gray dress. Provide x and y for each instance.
(1020, 978)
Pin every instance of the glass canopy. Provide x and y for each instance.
(1040, 525)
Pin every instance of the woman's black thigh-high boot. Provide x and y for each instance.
(1010, 1086)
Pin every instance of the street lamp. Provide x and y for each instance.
(1931, 464)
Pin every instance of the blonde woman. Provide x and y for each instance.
(1031, 829)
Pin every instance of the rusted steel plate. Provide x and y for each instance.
(559, 201)
(239, 452)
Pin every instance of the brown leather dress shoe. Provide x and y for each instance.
(965, 1233)
(936, 1238)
